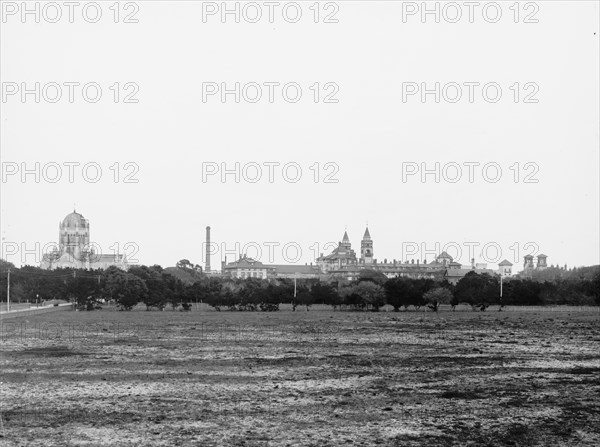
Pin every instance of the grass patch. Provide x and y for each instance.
(214, 385)
(584, 370)
(456, 394)
(50, 351)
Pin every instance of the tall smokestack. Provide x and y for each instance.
(208, 249)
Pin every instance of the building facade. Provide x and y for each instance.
(294, 271)
(340, 257)
(245, 267)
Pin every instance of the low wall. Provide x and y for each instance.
(35, 311)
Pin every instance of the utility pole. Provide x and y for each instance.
(8, 291)
(501, 303)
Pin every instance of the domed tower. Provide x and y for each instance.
(445, 259)
(74, 235)
(366, 248)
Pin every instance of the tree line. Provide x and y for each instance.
(158, 288)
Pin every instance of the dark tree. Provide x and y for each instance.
(325, 293)
(125, 288)
(478, 290)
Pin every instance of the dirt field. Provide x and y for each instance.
(317, 378)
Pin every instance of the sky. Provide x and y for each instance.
(477, 133)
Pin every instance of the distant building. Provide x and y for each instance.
(542, 263)
(454, 265)
(505, 268)
(74, 249)
(342, 262)
(455, 275)
(454, 271)
(340, 257)
(293, 271)
(529, 268)
(245, 267)
(392, 270)
(445, 259)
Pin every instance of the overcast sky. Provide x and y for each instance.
(542, 132)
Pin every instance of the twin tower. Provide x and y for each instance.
(366, 247)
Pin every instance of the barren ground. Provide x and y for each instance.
(318, 378)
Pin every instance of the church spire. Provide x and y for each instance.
(346, 238)
(367, 235)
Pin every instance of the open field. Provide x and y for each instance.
(317, 378)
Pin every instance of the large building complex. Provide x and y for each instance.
(343, 263)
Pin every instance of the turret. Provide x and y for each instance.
(542, 262)
(346, 241)
(366, 248)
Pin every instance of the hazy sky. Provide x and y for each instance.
(367, 127)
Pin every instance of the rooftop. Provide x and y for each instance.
(444, 255)
(74, 220)
(245, 262)
(290, 269)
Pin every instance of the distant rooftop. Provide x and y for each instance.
(245, 262)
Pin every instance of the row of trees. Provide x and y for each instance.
(89, 288)
(158, 288)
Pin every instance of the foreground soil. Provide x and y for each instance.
(317, 378)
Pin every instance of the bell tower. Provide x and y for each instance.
(366, 248)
